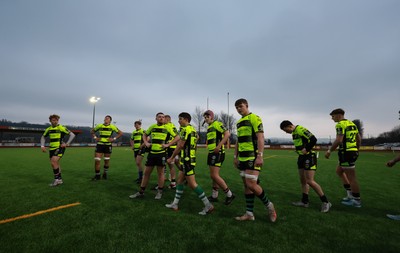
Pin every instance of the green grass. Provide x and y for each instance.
(108, 221)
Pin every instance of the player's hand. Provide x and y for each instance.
(327, 155)
(259, 161)
(390, 163)
(235, 162)
(43, 149)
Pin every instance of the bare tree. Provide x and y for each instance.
(229, 121)
(197, 118)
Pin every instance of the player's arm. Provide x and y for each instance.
(71, 137)
(311, 143)
(93, 134)
(177, 150)
(358, 141)
(119, 134)
(146, 140)
(235, 154)
(175, 140)
(335, 144)
(42, 143)
(227, 134)
(260, 149)
(393, 161)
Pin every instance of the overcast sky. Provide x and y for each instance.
(295, 60)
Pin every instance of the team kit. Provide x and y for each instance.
(167, 146)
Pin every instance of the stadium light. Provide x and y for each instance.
(94, 101)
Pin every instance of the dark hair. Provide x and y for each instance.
(159, 113)
(109, 117)
(185, 115)
(241, 101)
(285, 123)
(337, 111)
(54, 116)
(138, 122)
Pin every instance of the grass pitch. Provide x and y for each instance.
(108, 221)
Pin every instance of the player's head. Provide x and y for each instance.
(209, 113)
(54, 116)
(107, 119)
(241, 101)
(242, 106)
(337, 114)
(138, 124)
(208, 117)
(54, 119)
(339, 111)
(287, 126)
(160, 118)
(184, 117)
(167, 118)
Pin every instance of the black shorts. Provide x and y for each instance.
(248, 165)
(187, 169)
(308, 161)
(348, 158)
(156, 159)
(140, 152)
(215, 159)
(57, 152)
(170, 151)
(105, 149)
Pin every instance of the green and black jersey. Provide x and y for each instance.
(105, 133)
(215, 133)
(137, 137)
(188, 153)
(173, 127)
(247, 127)
(56, 135)
(159, 135)
(302, 138)
(349, 131)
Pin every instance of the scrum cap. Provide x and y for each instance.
(210, 113)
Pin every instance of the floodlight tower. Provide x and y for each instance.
(94, 100)
(229, 126)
